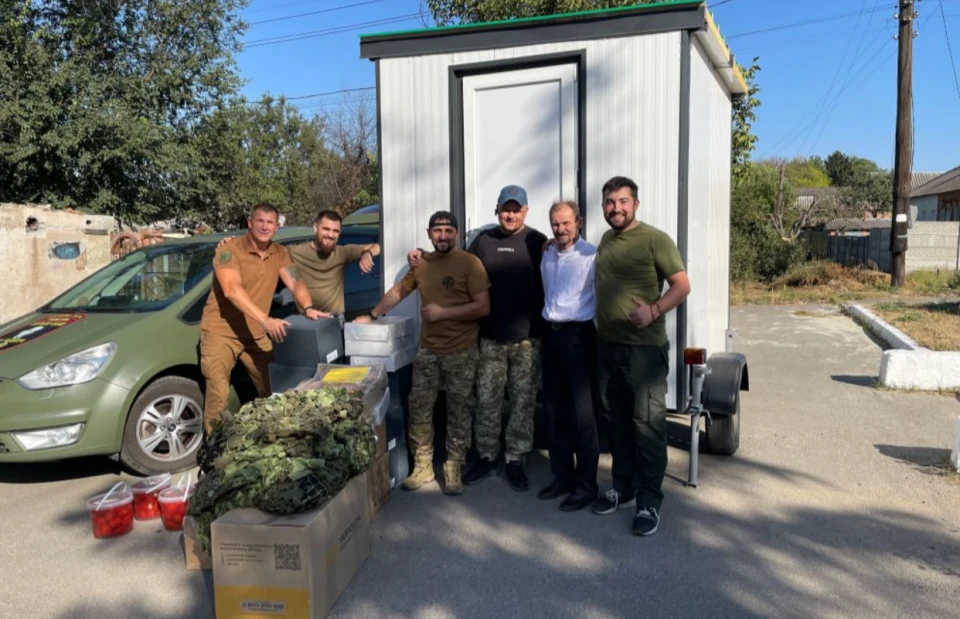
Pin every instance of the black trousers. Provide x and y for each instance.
(571, 424)
(633, 388)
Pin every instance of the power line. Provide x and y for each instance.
(329, 10)
(320, 33)
(807, 22)
(946, 35)
(330, 93)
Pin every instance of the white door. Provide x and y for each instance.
(520, 128)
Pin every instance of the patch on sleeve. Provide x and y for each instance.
(226, 257)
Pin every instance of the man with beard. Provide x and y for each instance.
(454, 296)
(322, 263)
(236, 321)
(509, 338)
(568, 350)
(633, 261)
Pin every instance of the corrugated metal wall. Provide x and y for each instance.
(708, 254)
(632, 118)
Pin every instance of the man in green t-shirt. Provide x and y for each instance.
(633, 261)
(322, 263)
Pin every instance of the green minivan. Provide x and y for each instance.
(111, 366)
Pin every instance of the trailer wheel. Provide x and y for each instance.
(723, 432)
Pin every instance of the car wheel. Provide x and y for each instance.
(723, 432)
(164, 427)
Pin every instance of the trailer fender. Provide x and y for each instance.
(728, 376)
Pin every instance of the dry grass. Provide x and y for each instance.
(934, 325)
(829, 282)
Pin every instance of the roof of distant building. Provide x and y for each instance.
(845, 223)
(948, 181)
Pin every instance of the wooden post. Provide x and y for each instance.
(904, 147)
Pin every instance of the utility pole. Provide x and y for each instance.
(904, 146)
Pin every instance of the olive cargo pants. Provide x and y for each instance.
(218, 357)
(633, 390)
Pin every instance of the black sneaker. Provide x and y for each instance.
(646, 521)
(517, 477)
(611, 502)
(481, 470)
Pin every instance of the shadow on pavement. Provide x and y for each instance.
(859, 381)
(920, 456)
(46, 472)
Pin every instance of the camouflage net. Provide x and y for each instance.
(284, 454)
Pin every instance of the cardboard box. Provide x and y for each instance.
(381, 431)
(267, 566)
(379, 483)
(194, 557)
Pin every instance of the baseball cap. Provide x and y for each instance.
(512, 193)
(444, 217)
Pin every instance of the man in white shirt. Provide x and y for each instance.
(568, 349)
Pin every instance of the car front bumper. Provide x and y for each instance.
(99, 405)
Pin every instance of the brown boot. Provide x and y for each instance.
(453, 483)
(422, 474)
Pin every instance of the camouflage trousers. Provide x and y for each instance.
(457, 372)
(516, 366)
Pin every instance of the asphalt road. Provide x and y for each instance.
(834, 507)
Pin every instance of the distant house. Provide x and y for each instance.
(847, 226)
(938, 199)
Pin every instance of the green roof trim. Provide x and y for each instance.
(535, 19)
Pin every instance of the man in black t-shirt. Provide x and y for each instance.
(509, 338)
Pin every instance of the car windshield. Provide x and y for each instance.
(147, 280)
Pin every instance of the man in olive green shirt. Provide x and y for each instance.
(633, 261)
(322, 263)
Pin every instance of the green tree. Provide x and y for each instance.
(99, 101)
(470, 11)
(744, 114)
(263, 151)
(839, 168)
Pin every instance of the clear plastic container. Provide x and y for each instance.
(173, 506)
(111, 513)
(145, 492)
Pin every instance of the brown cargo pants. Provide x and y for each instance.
(218, 357)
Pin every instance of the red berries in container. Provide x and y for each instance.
(111, 513)
(173, 507)
(145, 492)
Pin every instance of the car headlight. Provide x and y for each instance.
(78, 368)
(49, 437)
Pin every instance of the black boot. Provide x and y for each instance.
(517, 477)
(481, 470)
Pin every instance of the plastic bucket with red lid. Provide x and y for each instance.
(111, 513)
(173, 506)
(145, 492)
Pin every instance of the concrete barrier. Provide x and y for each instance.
(924, 369)
(955, 454)
(908, 365)
(894, 337)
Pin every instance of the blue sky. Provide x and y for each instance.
(826, 84)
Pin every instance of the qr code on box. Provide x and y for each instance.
(287, 557)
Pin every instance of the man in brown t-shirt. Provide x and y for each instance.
(454, 296)
(236, 321)
(322, 262)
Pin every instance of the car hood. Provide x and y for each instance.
(37, 339)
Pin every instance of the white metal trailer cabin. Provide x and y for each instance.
(559, 105)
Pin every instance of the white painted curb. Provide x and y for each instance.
(955, 455)
(920, 369)
(908, 365)
(894, 337)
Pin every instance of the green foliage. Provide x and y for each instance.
(744, 115)
(469, 11)
(100, 100)
(804, 173)
(757, 252)
(265, 151)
